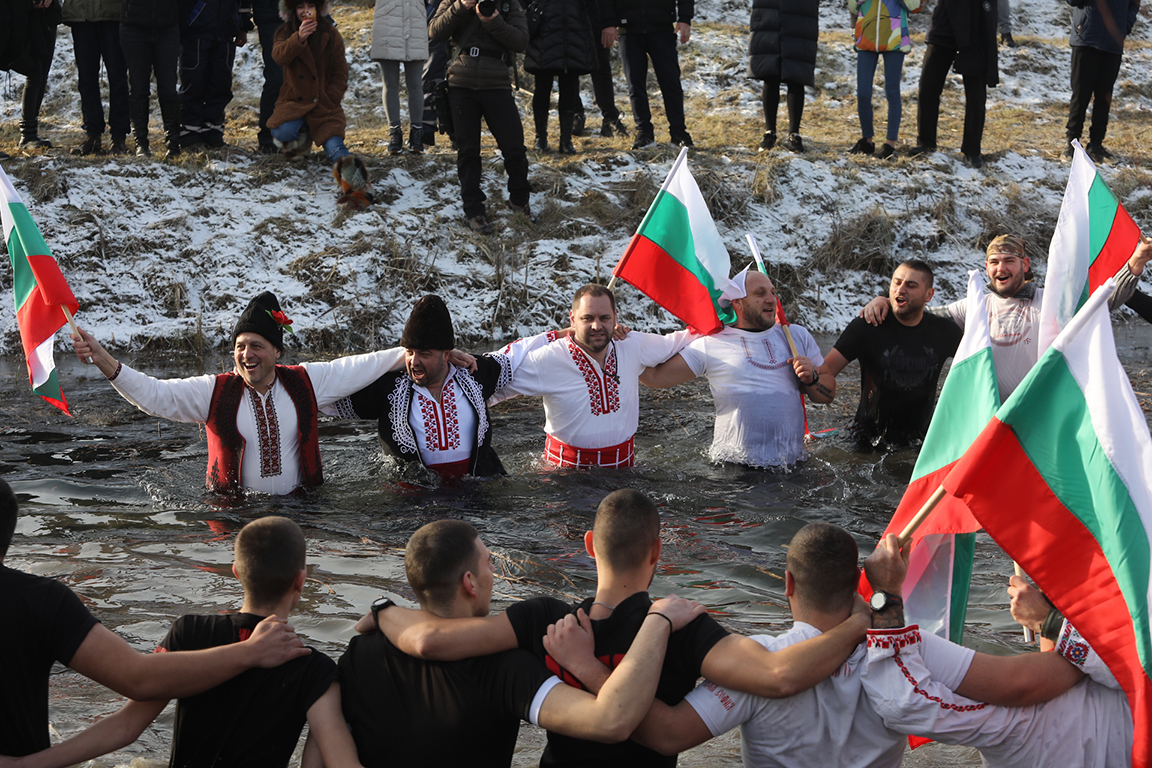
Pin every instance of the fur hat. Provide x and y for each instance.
(258, 318)
(288, 8)
(429, 326)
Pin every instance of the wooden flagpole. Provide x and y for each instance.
(75, 330)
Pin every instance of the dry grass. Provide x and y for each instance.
(865, 243)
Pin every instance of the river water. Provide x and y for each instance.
(113, 503)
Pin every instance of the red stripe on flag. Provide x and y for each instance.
(50, 281)
(949, 516)
(650, 269)
(38, 322)
(1006, 493)
(1122, 240)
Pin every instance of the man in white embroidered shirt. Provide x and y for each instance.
(261, 419)
(590, 383)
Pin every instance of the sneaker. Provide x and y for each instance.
(1006, 39)
(795, 144)
(683, 140)
(921, 149)
(886, 151)
(119, 147)
(525, 209)
(643, 139)
(415, 140)
(1098, 153)
(91, 146)
(1069, 153)
(396, 140)
(863, 147)
(768, 141)
(480, 225)
(974, 159)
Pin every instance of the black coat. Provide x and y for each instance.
(969, 28)
(783, 42)
(644, 16)
(25, 35)
(562, 42)
(153, 14)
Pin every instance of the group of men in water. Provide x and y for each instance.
(614, 682)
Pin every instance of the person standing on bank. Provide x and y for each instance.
(400, 36)
(96, 35)
(150, 39)
(43, 18)
(210, 30)
(560, 47)
(483, 33)
(881, 31)
(782, 49)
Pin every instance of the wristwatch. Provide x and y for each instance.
(882, 600)
(378, 605)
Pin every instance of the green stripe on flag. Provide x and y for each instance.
(1086, 484)
(953, 427)
(667, 225)
(50, 388)
(963, 553)
(23, 281)
(1102, 207)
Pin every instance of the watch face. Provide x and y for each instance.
(879, 601)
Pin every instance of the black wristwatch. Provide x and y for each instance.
(378, 605)
(883, 600)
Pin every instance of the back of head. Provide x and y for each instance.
(269, 554)
(627, 527)
(922, 267)
(8, 511)
(436, 558)
(594, 290)
(822, 559)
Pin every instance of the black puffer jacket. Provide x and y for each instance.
(969, 28)
(783, 42)
(563, 43)
(153, 14)
(644, 16)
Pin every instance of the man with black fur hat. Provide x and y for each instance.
(279, 420)
(434, 412)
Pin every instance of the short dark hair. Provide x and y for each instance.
(822, 559)
(437, 557)
(9, 509)
(269, 554)
(594, 290)
(627, 526)
(920, 266)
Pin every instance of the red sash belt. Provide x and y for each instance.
(452, 470)
(561, 455)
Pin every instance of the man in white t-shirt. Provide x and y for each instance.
(834, 723)
(756, 380)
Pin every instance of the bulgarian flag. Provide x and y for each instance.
(677, 257)
(42, 294)
(940, 569)
(1094, 237)
(1060, 479)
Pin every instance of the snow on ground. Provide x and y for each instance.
(156, 250)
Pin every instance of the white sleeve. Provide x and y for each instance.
(807, 346)
(655, 349)
(525, 379)
(538, 700)
(695, 356)
(721, 709)
(1073, 647)
(345, 376)
(947, 661)
(174, 399)
(957, 311)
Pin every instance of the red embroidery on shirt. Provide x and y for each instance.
(441, 427)
(267, 432)
(943, 704)
(772, 365)
(603, 392)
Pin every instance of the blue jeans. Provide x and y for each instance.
(333, 147)
(865, 71)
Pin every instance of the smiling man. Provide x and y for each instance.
(755, 379)
(900, 361)
(261, 419)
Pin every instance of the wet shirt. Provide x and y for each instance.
(759, 418)
(407, 712)
(1013, 328)
(44, 622)
(253, 720)
(682, 661)
(899, 368)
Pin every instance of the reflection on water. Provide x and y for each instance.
(113, 504)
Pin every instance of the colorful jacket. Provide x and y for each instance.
(882, 25)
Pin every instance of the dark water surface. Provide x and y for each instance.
(113, 503)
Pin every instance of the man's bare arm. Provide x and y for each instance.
(328, 734)
(671, 730)
(107, 734)
(428, 636)
(668, 374)
(834, 362)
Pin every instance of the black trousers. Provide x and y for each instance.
(37, 83)
(205, 85)
(149, 51)
(567, 101)
(498, 109)
(770, 95)
(91, 42)
(1094, 73)
(603, 88)
(273, 81)
(660, 47)
(937, 61)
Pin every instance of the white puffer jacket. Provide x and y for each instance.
(399, 31)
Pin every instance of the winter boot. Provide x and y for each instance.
(395, 140)
(578, 122)
(415, 139)
(30, 137)
(352, 179)
(172, 141)
(567, 122)
(118, 146)
(91, 146)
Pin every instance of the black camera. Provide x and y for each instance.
(487, 7)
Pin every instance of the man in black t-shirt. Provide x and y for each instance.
(46, 623)
(900, 361)
(253, 720)
(626, 545)
(404, 711)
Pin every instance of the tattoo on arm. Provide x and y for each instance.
(819, 387)
(891, 617)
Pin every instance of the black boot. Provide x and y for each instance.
(139, 115)
(29, 135)
(172, 140)
(578, 123)
(541, 131)
(415, 139)
(395, 140)
(567, 120)
(91, 146)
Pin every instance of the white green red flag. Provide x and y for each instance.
(1094, 237)
(677, 257)
(1060, 479)
(940, 568)
(40, 292)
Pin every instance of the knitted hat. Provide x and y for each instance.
(258, 318)
(1009, 244)
(429, 326)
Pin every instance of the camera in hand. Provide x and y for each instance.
(486, 7)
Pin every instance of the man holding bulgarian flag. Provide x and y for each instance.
(44, 302)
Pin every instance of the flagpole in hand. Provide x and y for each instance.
(764, 271)
(1029, 635)
(75, 330)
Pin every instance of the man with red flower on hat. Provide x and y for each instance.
(262, 417)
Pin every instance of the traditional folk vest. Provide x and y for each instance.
(225, 444)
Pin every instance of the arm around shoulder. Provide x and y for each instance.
(428, 636)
